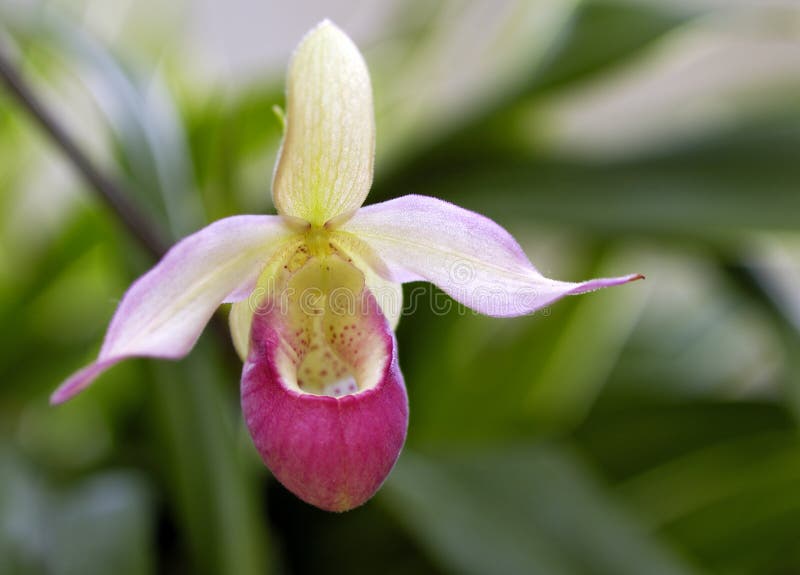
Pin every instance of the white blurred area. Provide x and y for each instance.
(229, 41)
(729, 66)
(715, 4)
(733, 61)
(432, 63)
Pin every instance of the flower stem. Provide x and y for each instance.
(106, 188)
(149, 236)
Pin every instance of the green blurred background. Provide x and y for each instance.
(648, 429)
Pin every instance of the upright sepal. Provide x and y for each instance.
(326, 160)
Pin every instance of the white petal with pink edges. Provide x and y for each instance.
(164, 312)
(469, 256)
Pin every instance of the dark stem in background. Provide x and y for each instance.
(108, 190)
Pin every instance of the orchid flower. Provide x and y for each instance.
(316, 289)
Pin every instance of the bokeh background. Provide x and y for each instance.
(649, 429)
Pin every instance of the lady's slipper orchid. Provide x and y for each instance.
(322, 392)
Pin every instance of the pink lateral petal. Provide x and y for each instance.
(80, 380)
(164, 312)
(470, 257)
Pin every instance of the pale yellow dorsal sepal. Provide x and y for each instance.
(326, 160)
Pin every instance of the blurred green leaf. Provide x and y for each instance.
(603, 34)
(719, 477)
(364, 540)
(627, 439)
(531, 48)
(521, 510)
(731, 503)
(234, 141)
(44, 318)
(452, 61)
(208, 478)
(743, 181)
(595, 331)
